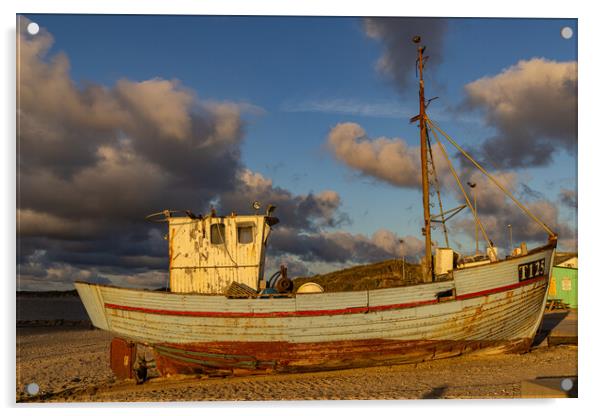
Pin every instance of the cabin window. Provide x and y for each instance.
(218, 233)
(245, 234)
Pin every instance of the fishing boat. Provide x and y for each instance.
(220, 313)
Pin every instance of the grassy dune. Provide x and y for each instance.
(389, 273)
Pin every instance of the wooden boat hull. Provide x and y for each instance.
(495, 308)
(281, 357)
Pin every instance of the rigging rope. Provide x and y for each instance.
(474, 162)
(455, 174)
(437, 188)
(226, 246)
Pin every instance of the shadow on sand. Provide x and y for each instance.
(435, 393)
(550, 321)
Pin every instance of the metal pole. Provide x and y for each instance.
(511, 243)
(476, 221)
(403, 267)
(476, 226)
(403, 263)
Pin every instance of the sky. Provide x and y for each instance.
(121, 116)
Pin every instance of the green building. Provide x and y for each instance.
(563, 285)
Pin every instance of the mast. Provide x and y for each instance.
(423, 159)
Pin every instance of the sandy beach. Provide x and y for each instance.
(71, 364)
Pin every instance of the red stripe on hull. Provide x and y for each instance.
(500, 289)
(343, 311)
(206, 314)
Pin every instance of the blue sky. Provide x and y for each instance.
(302, 76)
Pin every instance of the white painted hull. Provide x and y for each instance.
(491, 308)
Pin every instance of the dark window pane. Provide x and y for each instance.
(218, 233)
(245, 234)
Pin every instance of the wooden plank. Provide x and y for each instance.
(498, 316)
(499, 274)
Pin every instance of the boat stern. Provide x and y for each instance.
(91, 297)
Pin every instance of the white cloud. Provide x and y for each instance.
(388, 159)
(533, 106)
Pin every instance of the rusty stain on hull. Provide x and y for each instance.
(283, 357)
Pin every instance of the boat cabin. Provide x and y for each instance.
(207, 254)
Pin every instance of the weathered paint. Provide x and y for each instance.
(498, 310)
(123, 357)
(199, 266)
(489, 276)
(268, 357)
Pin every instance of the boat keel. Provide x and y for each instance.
(244, 358)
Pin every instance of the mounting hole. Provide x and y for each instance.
(33, 28)
(566, 384)
(32, 389)
(566, 32)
